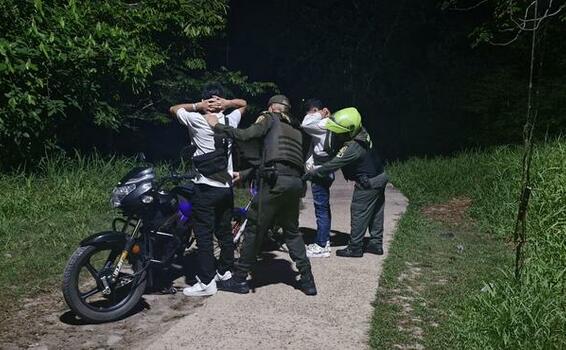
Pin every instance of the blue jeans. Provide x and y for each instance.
(321, 197)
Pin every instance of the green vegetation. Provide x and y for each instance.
(458, 278)
(68, 66)
(44, 216)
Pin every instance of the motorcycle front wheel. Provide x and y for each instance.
(88, 287)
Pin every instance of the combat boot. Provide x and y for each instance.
(235, 284)
(306, 284)
(373, 248)
(350, 253)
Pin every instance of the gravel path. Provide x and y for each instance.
(277, 316)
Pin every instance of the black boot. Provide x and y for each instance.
(236, 284)
(306, 284)
(350, 253)
(376, 249)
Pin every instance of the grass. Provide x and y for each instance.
(468, 299)
(45, 214)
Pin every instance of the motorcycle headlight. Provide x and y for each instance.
(119, 193)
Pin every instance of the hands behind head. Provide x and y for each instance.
(215, 104)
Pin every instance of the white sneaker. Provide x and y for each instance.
(316, 251)
(327, 247)
(200, 289)
(226, 276)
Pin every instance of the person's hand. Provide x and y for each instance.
(309, 167)
(211, 119)
(206, 106)
(236, 178)
(220, 103)
(307, 177)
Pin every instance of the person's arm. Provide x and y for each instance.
(199, 107)
(349, 153)
(257, 130)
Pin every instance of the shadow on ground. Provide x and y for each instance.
(337, 238)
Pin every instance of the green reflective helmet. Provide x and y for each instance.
(347, 120)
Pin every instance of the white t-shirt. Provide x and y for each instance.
(315, 125)
(202, 136)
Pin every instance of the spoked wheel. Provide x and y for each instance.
(90, 291)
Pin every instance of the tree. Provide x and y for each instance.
(512, 20)
(65, 63)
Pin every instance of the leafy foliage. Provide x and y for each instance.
(67, 63)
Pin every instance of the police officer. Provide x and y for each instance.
(359, 164)
(281, 188)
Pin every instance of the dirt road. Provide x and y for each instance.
(277, 316)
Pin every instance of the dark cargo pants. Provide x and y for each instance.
(367, 211)
(277, 204)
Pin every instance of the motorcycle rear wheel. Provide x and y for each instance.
(126, 292)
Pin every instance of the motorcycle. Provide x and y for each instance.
(107, 275)
(109, 272)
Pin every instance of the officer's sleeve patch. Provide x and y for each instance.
(341, 152)
(260, 119)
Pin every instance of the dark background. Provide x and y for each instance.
(408, 66)
(423, 83)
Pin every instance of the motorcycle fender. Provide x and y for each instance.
(107, 239)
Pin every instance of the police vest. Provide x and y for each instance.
(368, 165)
(283, 143)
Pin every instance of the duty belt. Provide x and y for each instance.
(270, 173)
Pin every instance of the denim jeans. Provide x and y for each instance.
(321, 197)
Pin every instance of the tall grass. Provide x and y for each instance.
(510, 315)
(45, 214)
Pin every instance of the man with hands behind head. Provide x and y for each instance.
(213, 199)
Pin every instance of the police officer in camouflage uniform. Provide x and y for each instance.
(279, 195)
(352, 147)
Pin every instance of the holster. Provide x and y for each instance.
(269, 175)
(364, 182)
